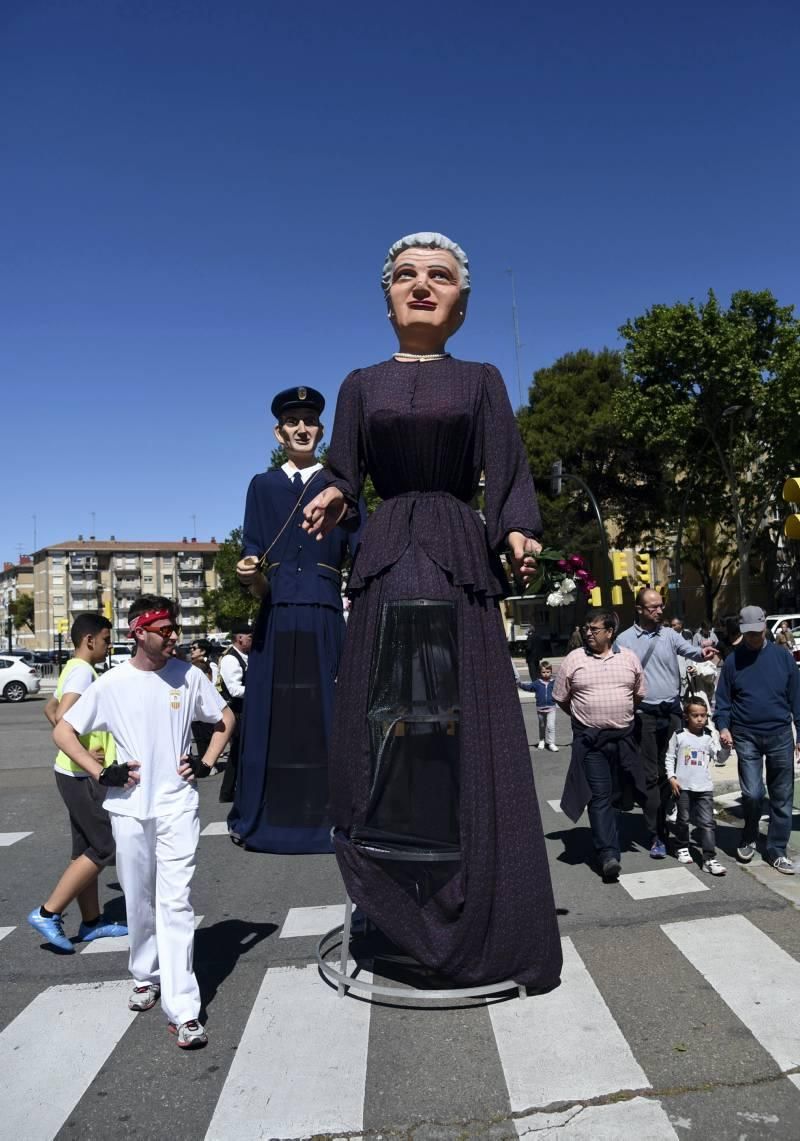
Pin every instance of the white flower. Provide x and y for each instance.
(555, 599)
(568, 586)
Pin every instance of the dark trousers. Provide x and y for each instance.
(776, 751)
(654, 727)
(697, 808)
(228, 785)
(597, 764)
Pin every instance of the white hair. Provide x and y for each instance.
(426, 240)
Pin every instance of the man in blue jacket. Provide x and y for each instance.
(758, 698)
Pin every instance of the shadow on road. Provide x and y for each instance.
(217, 950)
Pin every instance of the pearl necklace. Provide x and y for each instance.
(420, 356)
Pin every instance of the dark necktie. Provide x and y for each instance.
(297, 483)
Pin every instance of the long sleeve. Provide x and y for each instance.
(511, 503)
(346, 460)
(794, 696)
(671, 754)
(685, 648)
(252, 539)
(722, 708)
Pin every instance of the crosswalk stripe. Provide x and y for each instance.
(311, 920)
(216, 828)
(122, 943)
(639, 1117)
(310, 1079)
(6, 931)
(9, 838)
(757, 979)
(660, 883)
(563, 1046)
(53, 1050)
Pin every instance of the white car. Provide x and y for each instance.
(17, 678)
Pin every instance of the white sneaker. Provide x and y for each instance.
(190, 1035)
(144, 997)
(540, 745)
(553, 748)
(684, 856)
(714, 868)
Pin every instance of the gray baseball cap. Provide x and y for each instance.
(752, 620)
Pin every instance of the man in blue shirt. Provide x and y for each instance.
(758, 698)
(658, 648)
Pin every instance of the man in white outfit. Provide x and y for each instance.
(148, 705)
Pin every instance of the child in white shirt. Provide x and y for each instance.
(689, 755)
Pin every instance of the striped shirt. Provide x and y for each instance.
(600, 691)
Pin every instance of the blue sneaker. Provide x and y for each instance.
(658, 850)
(51, 929)
(105, 929)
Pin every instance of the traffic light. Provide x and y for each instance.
(791, 493)
(616, 596)
(642, 561)
(596, 596)
(620, 568)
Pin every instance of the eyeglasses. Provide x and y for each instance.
(163, 631)
(655, 606)
(592, 629)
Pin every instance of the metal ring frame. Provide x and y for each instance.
(339, 977)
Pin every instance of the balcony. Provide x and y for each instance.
(125, 563)
(127, 585)
(85, 604)
(83, 585)
(186, 566)
(82, 563)
(191, 604)
(193, 621)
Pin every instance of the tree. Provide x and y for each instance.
(230, 602)
(22, 611)
(569, 417)
(716, 394)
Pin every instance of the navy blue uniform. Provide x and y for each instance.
(281, 802)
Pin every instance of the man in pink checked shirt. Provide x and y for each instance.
(599, 686)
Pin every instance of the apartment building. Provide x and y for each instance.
(92, 574)
(16, 579)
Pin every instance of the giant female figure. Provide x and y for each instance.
(428, 750)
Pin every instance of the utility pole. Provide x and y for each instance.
(517, 342)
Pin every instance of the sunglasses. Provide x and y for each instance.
(163, 631)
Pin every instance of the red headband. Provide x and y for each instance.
(147, 619)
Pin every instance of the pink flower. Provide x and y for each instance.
(562, 564)
(582, 574)
(576, 561)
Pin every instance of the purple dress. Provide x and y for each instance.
(424, 432)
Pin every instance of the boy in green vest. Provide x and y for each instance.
(92, 839)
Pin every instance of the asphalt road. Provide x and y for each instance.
(676, 1017)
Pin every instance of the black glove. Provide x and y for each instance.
(115, 776)
(199, 770)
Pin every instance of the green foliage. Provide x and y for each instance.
(569, 417)
(22, 611)
(716, 394)
(230, 602)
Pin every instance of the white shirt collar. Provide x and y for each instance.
(305, 473)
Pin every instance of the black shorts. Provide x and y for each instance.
(89, 822)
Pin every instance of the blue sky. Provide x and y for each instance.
(197, 198)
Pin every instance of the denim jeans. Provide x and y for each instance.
(597, 764)
(777, 750)
(700, 806)
(547, 726)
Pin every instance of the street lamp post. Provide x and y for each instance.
(557, 474)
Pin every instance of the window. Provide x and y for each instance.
(148, 580)
(58, 600)
(58, 580)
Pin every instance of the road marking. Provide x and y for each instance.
(664, 881)
(758, 980)
(639, 1117)
(287, 1082)
(556, 806)
(563, 1045)
(103, 946)
(51, 1053)
(218, 828)
(9, 838)
(6, 931)
(311, 920)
